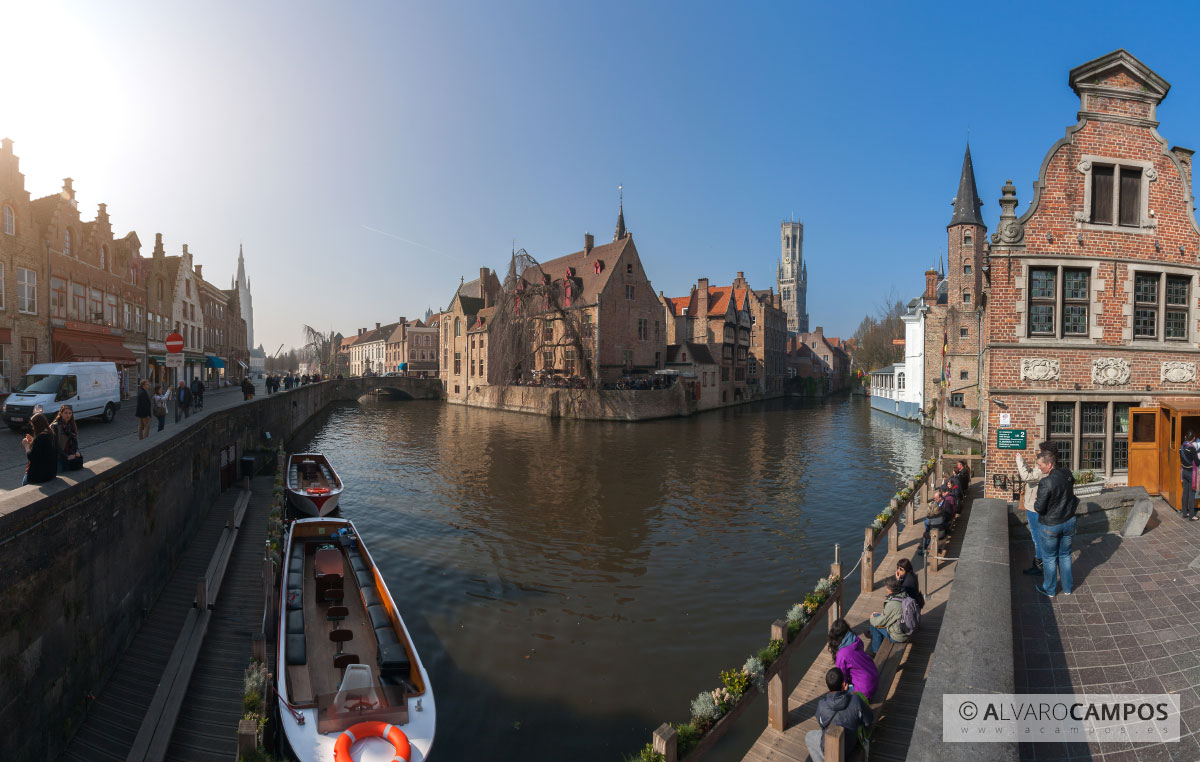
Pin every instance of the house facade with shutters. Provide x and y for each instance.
(1093, 290)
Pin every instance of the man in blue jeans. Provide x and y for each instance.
(1055, 507)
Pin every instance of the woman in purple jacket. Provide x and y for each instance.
(851, 659)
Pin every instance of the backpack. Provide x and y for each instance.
(910, 615)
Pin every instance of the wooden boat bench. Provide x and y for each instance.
(887, 663)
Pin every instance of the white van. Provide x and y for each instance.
(90, 388)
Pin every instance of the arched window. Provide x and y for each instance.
(457, 327)
(899, 380)
(966, 297)
(103, 257)
(966, 237)
(10, 221)
(67, 243)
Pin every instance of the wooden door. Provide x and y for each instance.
(1168, 457)
(1144, 429)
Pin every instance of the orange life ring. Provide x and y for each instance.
(318, 490)
(392, 734)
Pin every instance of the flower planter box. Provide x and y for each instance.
(722, 726)
(1087, 490)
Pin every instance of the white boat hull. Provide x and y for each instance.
(316, 505)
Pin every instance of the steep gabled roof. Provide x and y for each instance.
(584, 266)
(966, 201)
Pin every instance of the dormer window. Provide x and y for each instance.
(1115, 192)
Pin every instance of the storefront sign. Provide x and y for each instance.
(175, 360)
(1010, 439)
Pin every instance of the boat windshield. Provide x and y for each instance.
(338, 711)
(39, 383)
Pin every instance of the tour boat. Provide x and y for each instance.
(349, 673)
(313, 487)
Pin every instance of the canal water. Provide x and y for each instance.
(570, 585)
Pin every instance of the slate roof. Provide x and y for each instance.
(699, 352)
(966, 202)
(584, 265)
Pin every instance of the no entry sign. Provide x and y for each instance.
(174, 342)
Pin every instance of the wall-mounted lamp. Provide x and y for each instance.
(1050, 238)
(1147, 387)
(1079, 238)
(1181, 250)
(999, 403)
(1076, 387)
(1157, 246)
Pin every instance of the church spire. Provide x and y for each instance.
(967, 203)
(620, 232)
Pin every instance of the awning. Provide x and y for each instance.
(158, 359)
(213, 362)
(244, 365)
(98, 350)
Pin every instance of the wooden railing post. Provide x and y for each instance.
(893, 532)
(777, 687)
(914, 498)
(835, 570)
(247, 738)
(835, 744)
(868, 562)
(202, 593)
(258, 647)
(666, 742)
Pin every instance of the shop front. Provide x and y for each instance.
(214, 369)
(81, 342)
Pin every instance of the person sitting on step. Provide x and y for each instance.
(841, 706)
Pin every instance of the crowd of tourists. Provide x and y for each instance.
(289, 381)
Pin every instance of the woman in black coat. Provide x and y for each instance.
(144, 410)
(40, 452)
(908, 581)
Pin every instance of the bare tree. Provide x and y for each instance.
(537, 313)
(318, 346)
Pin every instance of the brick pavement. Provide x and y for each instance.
(1131, 626)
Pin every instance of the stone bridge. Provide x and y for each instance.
(396, 387)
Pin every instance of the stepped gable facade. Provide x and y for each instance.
(1093, 289)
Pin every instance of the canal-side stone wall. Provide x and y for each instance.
(81, 564)
(585, 404)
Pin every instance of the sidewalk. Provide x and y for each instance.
(1129, 627)
(107, 444)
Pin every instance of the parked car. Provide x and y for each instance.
(90, 388)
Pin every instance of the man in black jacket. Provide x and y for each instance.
(1055, 506)
(1188, 459)
(839, 707)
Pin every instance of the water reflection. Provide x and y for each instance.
(572, 584)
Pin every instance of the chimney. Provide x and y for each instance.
(68, 191)
(199, 273)
(931, 281)
(377, 326)
(1185, 160)
(185, 251)
(158, 246)
(6, 146)
(589, 243)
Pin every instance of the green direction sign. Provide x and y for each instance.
(1010, 439)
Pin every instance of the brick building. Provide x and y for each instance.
(214, 303)
(955, 317)
(765, 368)
(459, 365)
(831, 357)
(718, 317)
(24, 295)
(420, 347)
(237, 361)
(155, 275)
(89, 291)
(1093, 290)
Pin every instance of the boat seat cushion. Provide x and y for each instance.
(295, 621)
(296, 653)
(295, 599)
(365, 578)
(379, 616)
(392, 656)
(357, 562)
(296, 565)
(370, 596)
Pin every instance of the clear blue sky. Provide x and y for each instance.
(300, 129)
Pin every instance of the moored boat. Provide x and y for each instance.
(312, 486)
(349, 674)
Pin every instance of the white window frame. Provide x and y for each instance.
(23, 283)
(1146, 224)
(67, 242)
(10, 221)
(1, 285)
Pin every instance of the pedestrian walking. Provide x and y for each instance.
(42, 462)
(247, 388)
(1030, 476)
(66, 439)
(1055, 505)
(145, 406)
(197, 393)
(161, 398)
(183, 401)
(1189, 474)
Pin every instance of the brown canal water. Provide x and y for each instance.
(571, 585)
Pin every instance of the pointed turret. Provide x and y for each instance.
(241, 273)
(620, 231)
(967, 202)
